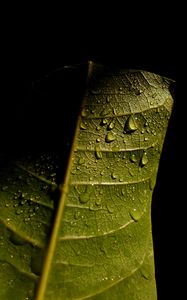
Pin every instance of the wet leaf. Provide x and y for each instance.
(99, 245)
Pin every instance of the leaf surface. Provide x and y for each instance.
(100, 241)
(101, 246)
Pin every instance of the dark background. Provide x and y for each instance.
(40, 101)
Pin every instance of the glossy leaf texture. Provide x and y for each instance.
(98, 239)
(101, 245)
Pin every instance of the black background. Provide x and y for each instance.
(35, 108)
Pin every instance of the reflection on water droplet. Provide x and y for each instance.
(110, 137)
(98, 153)
(113, 175)
(16, 239)
(82, 126)
(144, 159)
(131, 124)
(111, 125)
(104, 122)
(135, 214)
(133, 158)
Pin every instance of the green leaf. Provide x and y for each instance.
(100, 244)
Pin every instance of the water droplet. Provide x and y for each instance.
(81, 161)
(4, 188)
(105, 112)
(111, 125)
(84, 197)
(83, 126)
(104, 122)
(17, 239)
(113, 175)
(144, 159)
(102, 173)
(98, 153)
(98, 201)
(84, 112)
(135, 214)
(133, 158)
(110, 208)
(110, 137)
(98, 140)
(131, 124)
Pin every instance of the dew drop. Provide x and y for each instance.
(110, 137)
(135, 214)
(131, 124)
(98, 201)
(98, 140)
(114, 176)
(98, 153)
(133, 158)
(144, 159)
(84, 197)
(105, 112)
(111, 125)
(110, 208)
(82, 126)
(81, 161)
(104, 122)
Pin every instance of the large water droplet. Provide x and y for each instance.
(135, 214)
(131, 124)
(85, 197)
(104, 122)
(113, 175)
(111, 125)
(110, 137)
(144, 159)
(133, 158)
(98, 153)
(83, 126)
